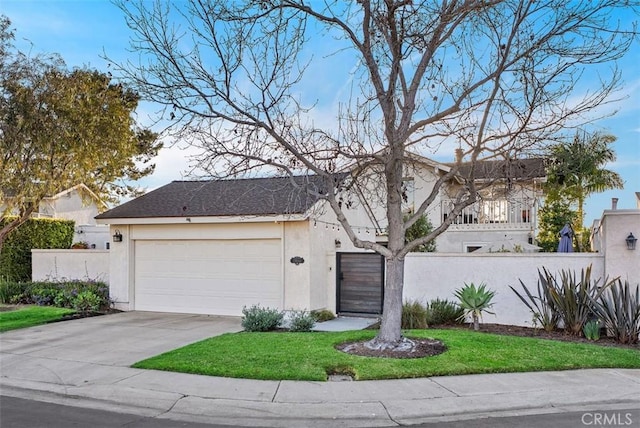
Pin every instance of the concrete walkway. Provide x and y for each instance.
(345, 324)
(86, 363)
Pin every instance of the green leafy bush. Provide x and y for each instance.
(86, 301)
(414, 315)
(301, 321)
(474, 301)
(441, 312)
(62, 294)
(257, 318)
(322, 315)
(422, 227)
(15, 259)
(619, 310)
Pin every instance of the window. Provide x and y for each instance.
(470, 247)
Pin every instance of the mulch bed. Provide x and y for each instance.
(410, 348)
(512, 330)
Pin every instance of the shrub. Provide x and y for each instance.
(322, 315)
(45, 294)
(443, 312)
(86, 301)
(62, 294)
(414, 315)
(591, 330)
(541, 305)
(422, 227)
(619, 310)
(256, 318)
(301, 321)
(474, 301)
(572, 298)
(13, 292)
(15, 260)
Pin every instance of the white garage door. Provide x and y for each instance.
(207, 277)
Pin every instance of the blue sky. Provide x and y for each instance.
(82, 30)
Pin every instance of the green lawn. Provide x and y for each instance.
(309, 356)
(30, 316)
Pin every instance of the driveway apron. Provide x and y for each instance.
(100, 349)
(118, 339)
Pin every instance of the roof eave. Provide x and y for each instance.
(205, 219)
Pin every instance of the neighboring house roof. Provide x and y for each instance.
(238, 197)
(410, 157)
(429, 162)
(80, 188)
(526, 169)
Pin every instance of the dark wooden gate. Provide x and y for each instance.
(360, 283)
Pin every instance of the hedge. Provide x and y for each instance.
(42, 233)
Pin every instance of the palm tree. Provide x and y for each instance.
(577, 169)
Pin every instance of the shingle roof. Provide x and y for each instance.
(513, 169)
(240, 197)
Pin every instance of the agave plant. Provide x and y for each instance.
(543, 311)
(619, 310)
(474, 301)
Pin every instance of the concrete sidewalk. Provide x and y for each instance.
(85, 363)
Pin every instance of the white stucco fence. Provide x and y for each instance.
(433, 275)
(55, 265)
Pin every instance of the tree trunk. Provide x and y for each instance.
(390, 329)
(476, 322)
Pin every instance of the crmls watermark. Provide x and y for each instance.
(608, 419)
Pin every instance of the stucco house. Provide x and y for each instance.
(213, 247)
(507, 210)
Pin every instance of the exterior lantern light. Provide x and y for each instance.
(631, 242)
(117, 236)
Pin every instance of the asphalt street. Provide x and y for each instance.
(21, 413)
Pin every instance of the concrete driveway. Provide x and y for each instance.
(114, 340)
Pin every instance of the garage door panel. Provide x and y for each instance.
(212, 276)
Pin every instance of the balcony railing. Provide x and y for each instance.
(511, 212)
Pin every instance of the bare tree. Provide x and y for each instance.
(499, 78)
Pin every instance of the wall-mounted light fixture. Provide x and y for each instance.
(631, 242)
(338, 243)
(117, 236)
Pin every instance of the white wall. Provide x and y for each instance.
(457, 239)
(296, 283)
(52, 265)
(93, 235)
(615, 226)
(436, 275)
